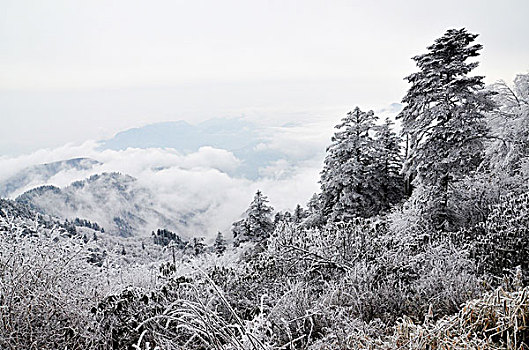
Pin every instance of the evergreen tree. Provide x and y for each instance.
(347, 177)
(70, 228)
(388, 163)
(315, 216)
(278, 218)
(282, 217)
(443, 119)
(198, 246)
(165, 237)
(220, 244)
(299, 214)
(240, 231)
(509, 125)
(258, 224)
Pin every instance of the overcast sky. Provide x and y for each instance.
(77, 70)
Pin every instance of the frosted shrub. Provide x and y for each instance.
(183, 313)
(495, 321)
(45, 285)
(328, 250)
(502, 242)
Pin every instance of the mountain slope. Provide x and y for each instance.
(117, 202)
(41, 173)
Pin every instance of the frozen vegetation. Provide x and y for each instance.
(416, 240)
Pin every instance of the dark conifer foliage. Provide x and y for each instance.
(165, 237)
(87, 223)
(299, 214)
(220, 244)
(388, 164)
(443, 119)
(258, 224)
(348, 174)
(361, 176)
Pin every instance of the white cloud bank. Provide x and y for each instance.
(197, 182)
(201, 182)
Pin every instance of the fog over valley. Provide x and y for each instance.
(201, 174)
(264, 175)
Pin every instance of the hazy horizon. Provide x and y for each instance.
(72, 72)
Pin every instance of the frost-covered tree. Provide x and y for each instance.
(240, 231)
(220, 244)
(258, 224)
(504, 170)
(443, 119)
(282, 217)
(509, 124)
(347, 179)
(315, 216)
(198, 247)
(48, 283)
(388, 163)
(278, 218)
(299, 214)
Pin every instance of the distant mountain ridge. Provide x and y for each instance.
(228, 134)
(116, 201)
(40, 174)
(236, 135)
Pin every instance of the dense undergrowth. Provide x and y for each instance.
(442, 265)
(346, 286)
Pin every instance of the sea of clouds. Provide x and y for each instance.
(205, 181)
(199, 181)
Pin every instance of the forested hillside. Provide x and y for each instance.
(417, 239)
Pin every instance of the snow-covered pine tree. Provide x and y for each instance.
(509, 124)
(347, 176)
(443, 117)
(259, 215)
(278, 218)
(258, 224)
(315, 216)
(198, 246)
(388, 163)
(240, 231)
(220, 244)
(299, 214)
